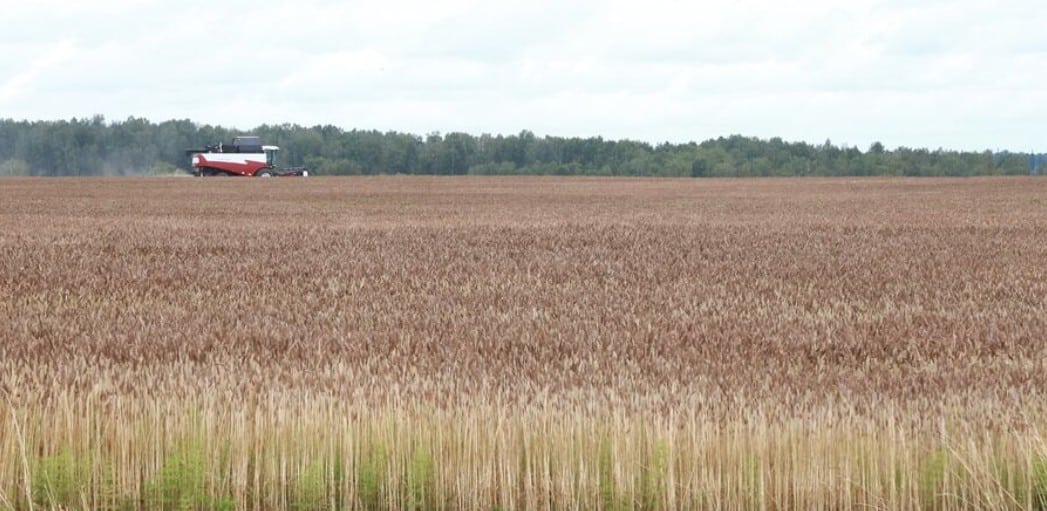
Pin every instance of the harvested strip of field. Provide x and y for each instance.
(523, 343)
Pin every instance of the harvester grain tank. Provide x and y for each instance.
(246, 156)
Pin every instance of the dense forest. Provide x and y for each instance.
(137, 146)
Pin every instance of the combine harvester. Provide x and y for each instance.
(246, 156)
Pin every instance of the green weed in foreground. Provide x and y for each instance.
(371, 476)
(653, 478)
(406, 466)
(310, 492)
(1039, 483)
(610, 496)
(181, 484)
(421, 480)
(62, 481)
(933, 478)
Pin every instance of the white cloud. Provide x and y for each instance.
(24, 81)
(961, 74)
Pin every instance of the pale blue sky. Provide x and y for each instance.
(958, 74)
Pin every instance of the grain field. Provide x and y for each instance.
(417, 343)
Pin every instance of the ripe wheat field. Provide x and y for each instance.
(413, 343)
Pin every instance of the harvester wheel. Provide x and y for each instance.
(264, 173)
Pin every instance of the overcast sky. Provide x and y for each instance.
(958, 74)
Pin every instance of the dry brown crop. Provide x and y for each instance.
(523, 343)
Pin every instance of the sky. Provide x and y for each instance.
(957, 74)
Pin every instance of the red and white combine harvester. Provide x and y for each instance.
(246, 156)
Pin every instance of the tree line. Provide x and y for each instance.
(134, 146)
